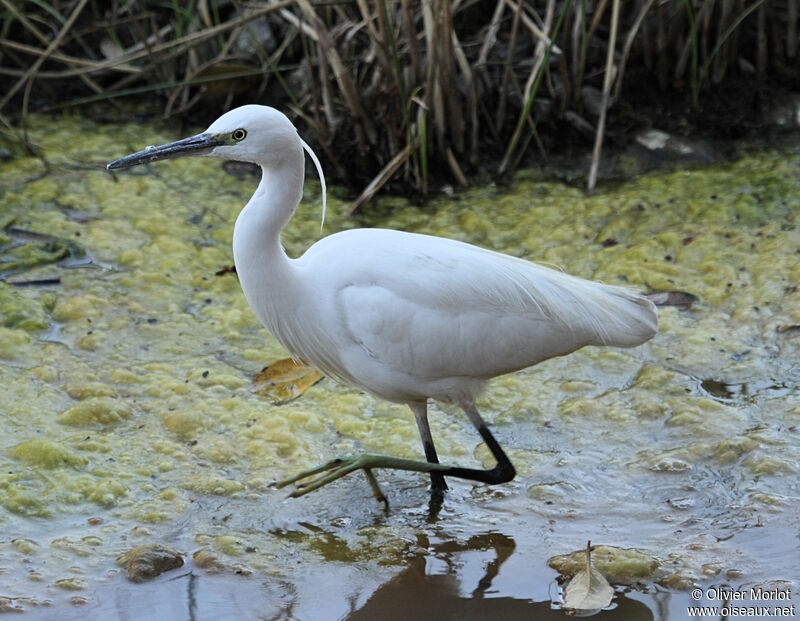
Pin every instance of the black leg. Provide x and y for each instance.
(313, 479)
(438, 484)
(503, 472)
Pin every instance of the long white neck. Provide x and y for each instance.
(265, 272)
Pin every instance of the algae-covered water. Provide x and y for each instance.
(129, 417)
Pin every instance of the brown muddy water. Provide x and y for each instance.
(129, 417)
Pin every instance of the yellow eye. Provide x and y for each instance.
(238, 135)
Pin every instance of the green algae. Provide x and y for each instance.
(13, 343)
(18, 499)
(22, 311)
(137, 375)
(95, 411)
(47, 454)
(27, 256)
(148, 561)
(618, 565)
(210, 484)
(71, 584)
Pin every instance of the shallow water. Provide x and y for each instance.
(129, 416)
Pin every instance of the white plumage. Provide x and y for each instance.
(404, 316)
(407, 316)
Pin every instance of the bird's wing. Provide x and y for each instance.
(435, 307)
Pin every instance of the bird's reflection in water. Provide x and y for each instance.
(480, 577)
(450, 582)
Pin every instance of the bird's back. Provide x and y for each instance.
(408, 310)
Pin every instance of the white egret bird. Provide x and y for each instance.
(403, 316)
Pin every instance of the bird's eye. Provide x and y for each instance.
(238, 135)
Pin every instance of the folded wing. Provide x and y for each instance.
(431, 307)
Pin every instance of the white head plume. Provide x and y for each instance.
(314, 158)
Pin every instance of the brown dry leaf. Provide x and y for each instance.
(286, 380)
(588, 589)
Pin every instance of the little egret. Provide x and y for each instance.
(403, 316)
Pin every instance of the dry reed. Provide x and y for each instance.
(393, 91)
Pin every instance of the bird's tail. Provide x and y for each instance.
(620, 318)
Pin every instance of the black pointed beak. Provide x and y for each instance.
(194, 145)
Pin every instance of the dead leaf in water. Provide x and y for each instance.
(588, 589)
(681, 299)
(286, 380)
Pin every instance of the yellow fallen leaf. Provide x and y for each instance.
(588, 589)
(286, 380)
